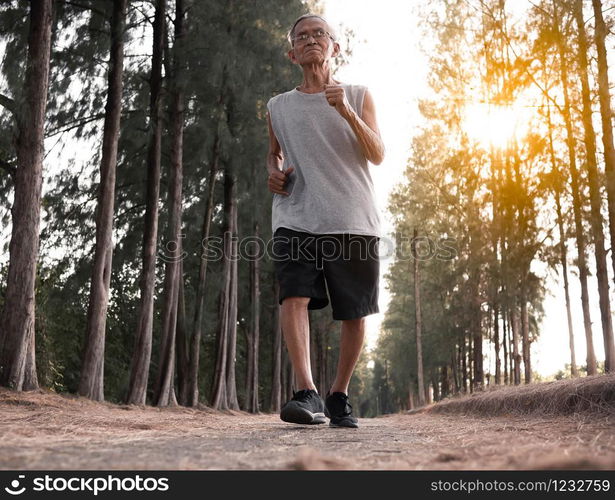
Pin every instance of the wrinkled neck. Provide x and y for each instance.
(315, 77)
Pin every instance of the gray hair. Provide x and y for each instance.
(291, 32)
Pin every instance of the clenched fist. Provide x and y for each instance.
(277, 180)
(336, 96)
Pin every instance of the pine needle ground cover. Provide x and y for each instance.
(44, 430)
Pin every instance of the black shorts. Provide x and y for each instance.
(348, 264)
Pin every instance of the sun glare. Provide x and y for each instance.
(492, 125)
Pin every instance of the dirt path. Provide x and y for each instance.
(47, 431)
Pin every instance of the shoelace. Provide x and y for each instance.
(302, 395)
(347, 406)
(348, 409)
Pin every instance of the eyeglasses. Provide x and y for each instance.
(318, 35)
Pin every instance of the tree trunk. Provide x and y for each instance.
(455, 372)
(180, 343)
(563, 258)
(576, 200)
(231, 386)
(525, 338)
(594, 195)
(495, 296)
(92, 369)
(606, 115)
(562, 245)
(477, 352)
(505, 344)
(223, 393)
(496, 342)
(257, 329)
(276, 364)
(287, 376)
(444, 380)
(327, 369)
(142, 351)
(321, 363)
(197, 327)
(313, 342)
(470, 364)
(505, 312)
(253, 338)
(218, 392)
(418, 323)
(511, 351)
(475, 304)
(435, 386)
(464, 368)
(165, 390)
(17, 327)
(515, 345)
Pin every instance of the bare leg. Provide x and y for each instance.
(296, 330)
(351, 343)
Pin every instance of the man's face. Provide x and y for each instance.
(313, 50)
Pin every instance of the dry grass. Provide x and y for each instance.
(594, 394)
(25, 416)
(41, 430)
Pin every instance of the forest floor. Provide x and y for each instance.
(43, 430)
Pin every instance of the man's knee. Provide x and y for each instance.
(360, 319)
(296, 302)
(355, 322)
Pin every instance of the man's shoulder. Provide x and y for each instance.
(357, 87)
(280, 96)
(356, 95)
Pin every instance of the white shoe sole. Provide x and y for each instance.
(295, 415)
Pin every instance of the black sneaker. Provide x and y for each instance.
(306, 407)
(339, 410)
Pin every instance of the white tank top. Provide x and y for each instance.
(330, 190)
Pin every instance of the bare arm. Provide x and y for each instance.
(365, 127)
(277, 178)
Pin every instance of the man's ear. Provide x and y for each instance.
(337, 49)
(291, 55)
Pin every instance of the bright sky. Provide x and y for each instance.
(386, 57)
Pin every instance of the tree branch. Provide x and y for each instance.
(9, 104)
(87, 7)
(66, 127)
(73, 124)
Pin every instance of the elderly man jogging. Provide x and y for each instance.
(325, 222)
